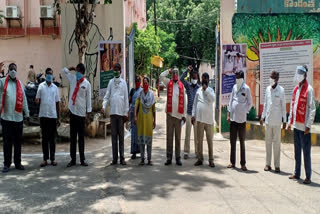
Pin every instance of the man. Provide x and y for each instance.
(2, 70)
(117, 97)
(239, 105)
(202, 114)
(274, 113)
(13, 103)
(302, 113)
(176, 109)
(48, 97)
(80, 107)
(31, 75)
(191, 89)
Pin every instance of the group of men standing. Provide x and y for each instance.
(189, 102)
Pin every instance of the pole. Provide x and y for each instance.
(155, 16)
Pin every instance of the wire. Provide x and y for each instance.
(203, 60)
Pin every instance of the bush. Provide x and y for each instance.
(252, 116)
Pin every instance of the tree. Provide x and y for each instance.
(1, 16)
(193, 24)
(84, 10)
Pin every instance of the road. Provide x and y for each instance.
(133, 189)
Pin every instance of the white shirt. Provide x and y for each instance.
(175, 96)
(203, 106)
(240, 103)
(117, 97)
(49, 96)
(228, 66)
(274, 108)
(310, 111)
(83, 100)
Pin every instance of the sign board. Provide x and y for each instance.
(110, 53)
(278, 6)
(233, 60)
(284, 57)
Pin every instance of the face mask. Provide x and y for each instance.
(12, 74)
(49, 78)
(205, 82)
(194, 81)
(272, 82)
(79, 75)
(300, 77)
(116, 74)
(239, 82)
(175, 77)
(138, 84)
(145, 87)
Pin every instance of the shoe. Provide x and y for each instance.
(168, 162)
(186, 157)
(114, 163)
(277, 170)
(71, 163)
(5, 169)
(123, 163)
(198, 163)
(244, 168)
(179, 163)
(267, 168)
(231, 166)
(307, 181)
(20, 167)
(43, 164)
(54, 163)
(294, 177)
(134, 156)
(150, 163)
(141, 163)
(83, 163)
(211, 164)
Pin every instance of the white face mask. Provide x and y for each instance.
(194, 81)
(13, 74)
(272, 82)
(300, 78)
(239, 82)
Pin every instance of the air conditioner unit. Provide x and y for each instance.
(12, 12)
(46, 11)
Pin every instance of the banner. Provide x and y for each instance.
(233, 60)
(284, 57)
(110, 53)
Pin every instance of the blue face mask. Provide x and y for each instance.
(49, 77)
(79, 75)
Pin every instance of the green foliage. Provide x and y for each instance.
(193, 24)
(1, 16)
(168, 48)
(252, 116)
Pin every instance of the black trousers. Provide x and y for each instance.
(77, 131)
(237, 129)
(117, 130)
(48, 130)
(12, 136)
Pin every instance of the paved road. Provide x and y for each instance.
(101, 188)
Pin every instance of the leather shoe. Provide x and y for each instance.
(141, 163)
(198, 163)
(71, 163)
(123, 163)
(134, 156)
(267, 168)
(54, 163)
(114, 163)
(211, 164)
(307, 181)
(150, 163)
(43, 164)
(83, 163)
(20, 167)
(277, 170)
(244, 168)
(168, 162)
(294, 177)
(179, 163)
(5, 169)
(186, 156)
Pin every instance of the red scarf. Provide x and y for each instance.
(302, 103)
(19, 96)
(170, 95)
(75, 92)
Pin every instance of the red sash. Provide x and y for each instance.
(75, 92)
(19, 96)
(170, 95)
(302, 103)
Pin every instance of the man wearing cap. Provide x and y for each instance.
(302, 113)
(117, 97)
(13, 104)
(274, 113)
(239, 106)
(176, 111)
